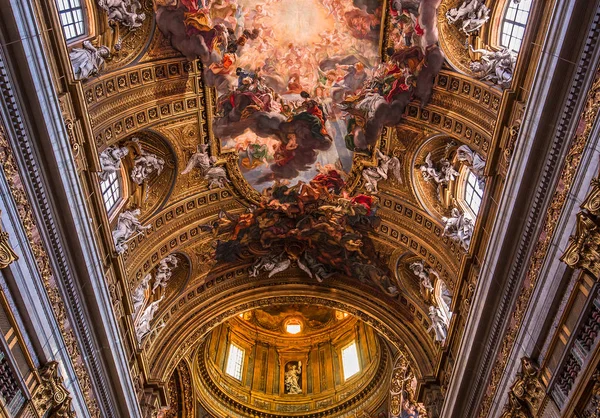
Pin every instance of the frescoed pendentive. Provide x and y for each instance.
(301, 85)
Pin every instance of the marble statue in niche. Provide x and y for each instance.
(293, 377)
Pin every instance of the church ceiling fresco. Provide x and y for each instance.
(300, 87)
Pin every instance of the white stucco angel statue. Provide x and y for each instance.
(164, 271)
(110, 160)
(145, 165)
(88, 60)
(472, 13)
(419, 270)
(444, 175)
(386, 165)
(438, 324)
(214, 175)
(127, 225)
(142, 327)
(126, 12)
(459, 228)
(139, 294)
(495, 66)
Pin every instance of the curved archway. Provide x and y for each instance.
(393, 320)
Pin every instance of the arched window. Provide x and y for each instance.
(111, 191)
(473, 193)
(513, 24)
(71, 18)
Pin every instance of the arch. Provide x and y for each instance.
(389, 317)
(151, 195)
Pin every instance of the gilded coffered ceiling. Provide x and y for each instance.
(274, 154)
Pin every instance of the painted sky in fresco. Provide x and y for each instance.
(315, 46)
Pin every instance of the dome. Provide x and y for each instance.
(291, 360)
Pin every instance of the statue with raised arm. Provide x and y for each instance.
(495, 66)
(438, 324)
(126, 12)
(471, 14)
(110, 160)
(386, 166)
(127, 225)
(215, 176)
(88, 60)
(144, 166)
(292, 377)
(164, 271)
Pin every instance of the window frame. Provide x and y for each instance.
(460, 193)
(116, 194)
(514, 24)
(471, 185)
(237, 365)
(359, 366)
(76, 11)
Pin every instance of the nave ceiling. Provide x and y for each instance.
(215, 222)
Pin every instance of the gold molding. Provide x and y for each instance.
(51, 398)
(527, 394)
(7, 254)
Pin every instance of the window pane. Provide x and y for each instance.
(71, 18)
(513, 28)
(350, 361)
(111, 191)
(235, 361)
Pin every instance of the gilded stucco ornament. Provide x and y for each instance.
(584, 247)
(527, 393)
(7, 255)
(51, 398)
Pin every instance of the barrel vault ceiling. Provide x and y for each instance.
(311, 153)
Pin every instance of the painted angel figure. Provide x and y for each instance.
(110, 161)
(373, 175)
(127, 225)
(292, 378)
(164, 271)
(313, 268)
(124, 11)
(272, 264)
(216, 176)
(438, 324)
(144, 166)
(88, 60)
(139, 294)
(495, 66)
